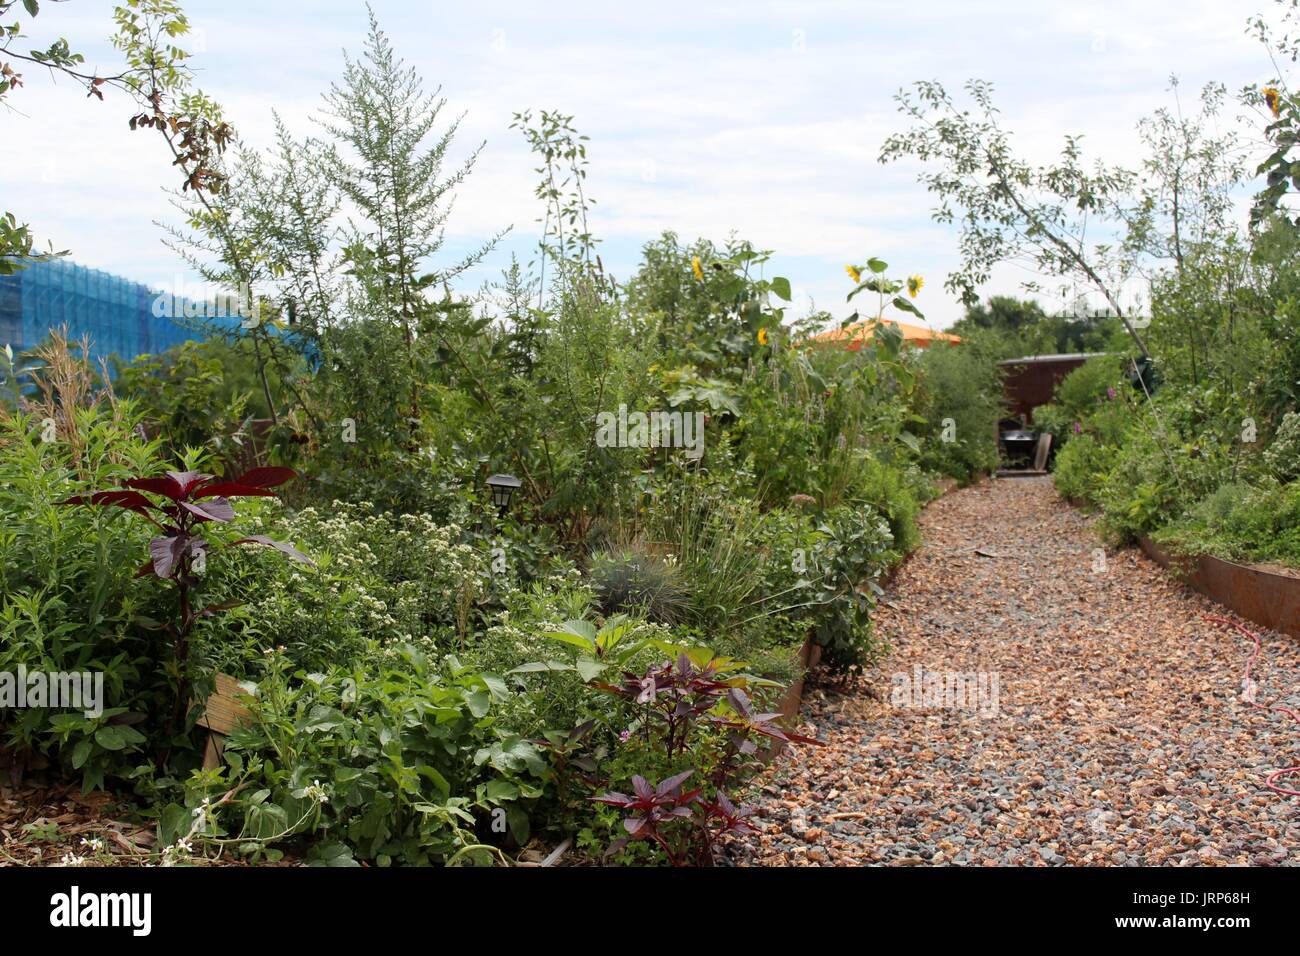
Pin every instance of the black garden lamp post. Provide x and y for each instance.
(503, 489)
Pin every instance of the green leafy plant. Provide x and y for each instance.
(395, 762)
(1241, 522)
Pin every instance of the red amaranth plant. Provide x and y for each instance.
(676, 699)
(180, 552)
(744, 721)
(650, 808)
(676, 694)
(685, 825)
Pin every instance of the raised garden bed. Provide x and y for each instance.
(1268, 596)
(809, 656)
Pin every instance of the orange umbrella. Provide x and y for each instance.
(852, 336)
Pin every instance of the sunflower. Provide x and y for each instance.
(762, 336)
(914, 285)
(853, 272)
(1273, 99)
(697, 268)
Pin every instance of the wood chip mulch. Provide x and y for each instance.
(58, 825)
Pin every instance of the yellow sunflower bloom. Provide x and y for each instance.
(697, 268)
(1273, 99)
(914, 285)
(854, 274)
(762, 336)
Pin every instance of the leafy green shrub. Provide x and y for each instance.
(199, 395)
(554, 694)
(853, 556)
(811, 416)
(1081, 397)
(893, 492)
(1281, 459)
(1240, 522)
(69, 601)
(397, 760)
(1081, 468)
(962, 402)
(378, 577)
(1166, 464)
(819, 580)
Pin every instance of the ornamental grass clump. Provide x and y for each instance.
(633, 580)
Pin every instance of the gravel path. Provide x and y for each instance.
(1119, 737)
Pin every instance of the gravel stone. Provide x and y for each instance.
(1119, 738)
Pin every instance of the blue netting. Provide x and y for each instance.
(117, 315)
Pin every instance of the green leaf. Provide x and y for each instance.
(174, 822)
(581, 634)
(877, 265)
(781, 286)
(321, 718)
(479, 702)
(498, 790)
(438, 780)
(81, 753)
(519, 825)
(111, 737)
(537, 667)
(332, 854)
(588, 669)
(905, 306)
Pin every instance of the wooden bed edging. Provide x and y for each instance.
(788, 706)
(1269, 599)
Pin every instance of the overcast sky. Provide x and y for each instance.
(763, 118)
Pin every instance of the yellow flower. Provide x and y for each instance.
(1272, 98)
(697, 268)
(762, 336)
(914, 285)
(853, 272)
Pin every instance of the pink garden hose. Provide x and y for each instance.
(1249, 693)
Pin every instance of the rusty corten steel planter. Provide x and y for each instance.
(1256, 593)
(810, 656)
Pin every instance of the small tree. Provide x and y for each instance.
(1184, 198)
(381, 118)
(358, 294)
(1009, 208)
(157, 77)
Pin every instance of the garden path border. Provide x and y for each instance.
(1258, 594)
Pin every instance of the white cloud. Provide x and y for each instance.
(764, 118)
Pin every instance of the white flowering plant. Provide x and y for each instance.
(380, 579)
